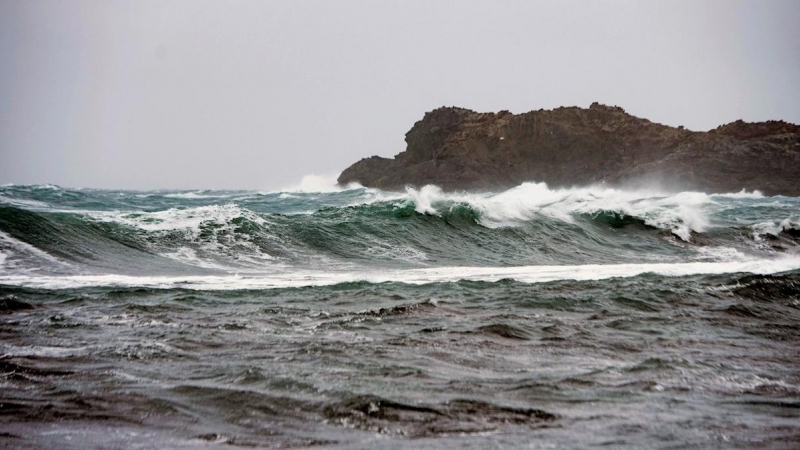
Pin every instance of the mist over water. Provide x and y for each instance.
(353, 317)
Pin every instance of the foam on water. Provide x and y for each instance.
(188, 219)
(14, 246)
(209, 234)
(741, 194)
(196, 195)
(49, 187)
(721, 254)
(23, 202)
(189, 256)
(313, 183)
(524, 274)
(774, 228)
(27, 351)
(681, 213)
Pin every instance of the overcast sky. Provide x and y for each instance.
(256, 94)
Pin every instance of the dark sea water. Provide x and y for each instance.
(530, 318)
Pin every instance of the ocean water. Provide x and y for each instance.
(358, 318)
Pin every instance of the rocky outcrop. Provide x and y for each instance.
(460, 149)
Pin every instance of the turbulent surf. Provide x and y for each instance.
(360, 318)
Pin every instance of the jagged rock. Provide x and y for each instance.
(456, 148)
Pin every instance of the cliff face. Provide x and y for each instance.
(457, 148)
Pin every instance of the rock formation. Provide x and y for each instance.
(460, 149)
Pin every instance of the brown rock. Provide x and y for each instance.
(457, 148)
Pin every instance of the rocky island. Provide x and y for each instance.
(460, 149)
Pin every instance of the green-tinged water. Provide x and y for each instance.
(531, 318)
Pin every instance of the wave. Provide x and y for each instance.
(682, 213)
(775, 228)
(189, 219)
(250, 232)
(297, 279)
(313, 183)
(11, 245)
(196, 195)
(741, 194)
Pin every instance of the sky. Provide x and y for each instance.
(188, 94)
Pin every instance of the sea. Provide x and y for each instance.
(535, 317)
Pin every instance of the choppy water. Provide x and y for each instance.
(531, 318)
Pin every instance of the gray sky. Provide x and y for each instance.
(256, 94)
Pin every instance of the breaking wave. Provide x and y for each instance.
(55, 231)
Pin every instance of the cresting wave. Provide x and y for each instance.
(527, 274)
(344, 234)
(681, 213)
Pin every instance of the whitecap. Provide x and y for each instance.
(23, 202)
(175, 218)
(721, 254)
(193, 195)
(25, 248)
(681, 213)
(773, 228)
(313, 183)
(523, 274)
(741, 194)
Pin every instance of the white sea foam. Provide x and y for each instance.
(314, 183)
(681, 213)
(741, 194)
(524, 274)
(176, 218)
(40, 351)
(49, 187)
(774, 228)
(189, 256)
(748, 382)
(423, 199)
(196, 195)
(17, 246)
(219, 241)
(379, 249)
(721, 254)
(23, 202)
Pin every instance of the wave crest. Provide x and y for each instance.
(681, 213)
